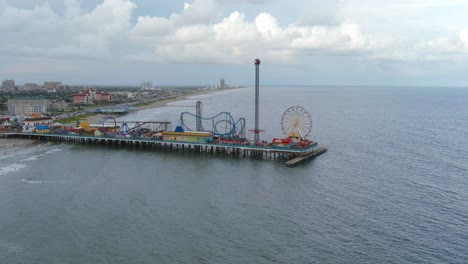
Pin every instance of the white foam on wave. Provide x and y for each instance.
(53, 151)
(11, 168)
(32, 158)
(7, 247)
(19, 153)
(31, 181)
(14, 153)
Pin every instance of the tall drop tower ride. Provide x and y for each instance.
(257, 82)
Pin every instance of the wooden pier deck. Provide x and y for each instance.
(266, 152)
(300, 159)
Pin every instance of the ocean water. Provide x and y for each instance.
(393, 188)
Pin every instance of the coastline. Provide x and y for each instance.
(8, 145)
(97, 119)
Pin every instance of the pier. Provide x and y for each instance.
(220, 134)
(236, 150)
(306, 156)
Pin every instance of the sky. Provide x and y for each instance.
(196, 42)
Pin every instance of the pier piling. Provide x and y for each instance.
(295, 156)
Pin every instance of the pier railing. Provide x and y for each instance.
(265, 151)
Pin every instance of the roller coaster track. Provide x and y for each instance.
(156, 125)
(222, 124)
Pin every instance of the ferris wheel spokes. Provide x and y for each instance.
(296, 120)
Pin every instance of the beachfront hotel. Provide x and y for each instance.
(27, 105)
(89, 95)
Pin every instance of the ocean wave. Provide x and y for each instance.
(14, 152)
(7, 247)
(32, 158)
(11, 168)
(30, 181)
(53, 150)
(36, 181)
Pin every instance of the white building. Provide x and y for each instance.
(30, 122)
(27, 106)
(146, 85)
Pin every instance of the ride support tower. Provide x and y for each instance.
(199, 108)
(257, 95)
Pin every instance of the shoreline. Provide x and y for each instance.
(97, 119)
(13, 144)
(8, 145)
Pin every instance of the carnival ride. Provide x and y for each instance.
(297, 120)
(15, 123)
(11, 124)
(296, 123)
(222, 124)
(107, 118)
(144, 129)
(135, 129)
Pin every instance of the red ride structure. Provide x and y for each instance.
(257, 99)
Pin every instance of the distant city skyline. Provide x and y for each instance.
(193, 42)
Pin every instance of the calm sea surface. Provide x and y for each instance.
(393, 188)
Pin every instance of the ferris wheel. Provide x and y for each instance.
(296, 120)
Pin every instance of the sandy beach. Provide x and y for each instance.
(97, 119)
(12, 144)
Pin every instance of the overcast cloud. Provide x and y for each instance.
(300, 42)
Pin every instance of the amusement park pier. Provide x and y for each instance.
(227, 149)
(220, 134)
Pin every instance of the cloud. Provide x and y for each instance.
(39, 67)
(345, 37)
(444, 48)
(152, 26)
(256, 2)
(441, 46)
(464, 38)
(198, 12)
(201, 33)
(234, 39)
(41, 31)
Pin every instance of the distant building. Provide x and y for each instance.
(57, 105)
(77, 88)
(221, 84)
(146, 85)
(30, 87)
(8, 85)
(90, 95)
(52, 85)
(131, 95)
(63, 88)
(27, 106)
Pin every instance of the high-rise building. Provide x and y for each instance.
(8, 85)
(221, 84)
(146, 85)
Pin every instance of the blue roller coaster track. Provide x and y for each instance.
(222, 124)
